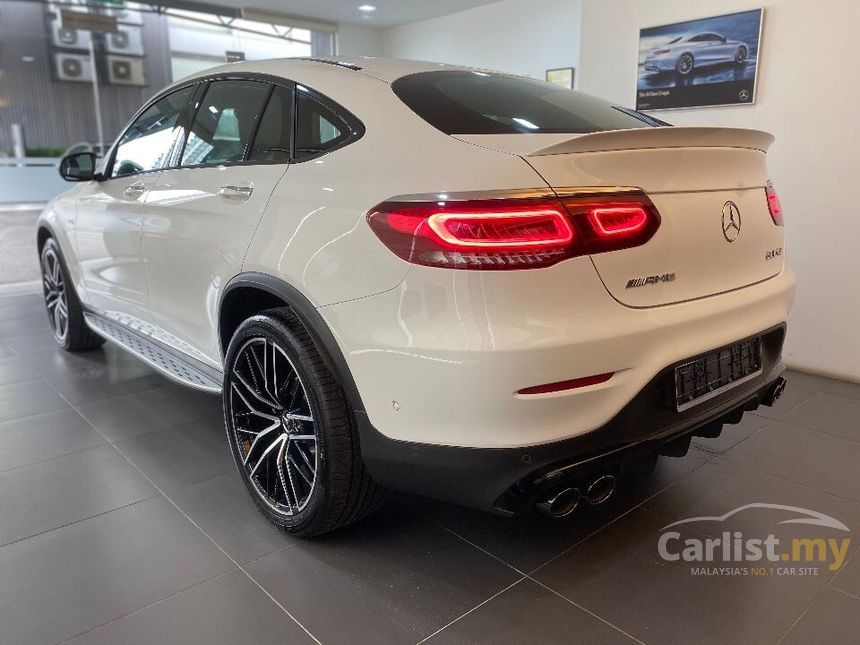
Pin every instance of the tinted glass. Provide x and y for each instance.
(272, 142)
(224, 122)
(464, 102)
(147, 142)
(318, 128)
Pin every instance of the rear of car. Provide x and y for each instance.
(548, 338)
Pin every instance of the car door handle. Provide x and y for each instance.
(236, 191)
(134, 190)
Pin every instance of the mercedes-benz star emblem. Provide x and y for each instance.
(731, 221)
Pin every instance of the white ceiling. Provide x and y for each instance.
(388, 12)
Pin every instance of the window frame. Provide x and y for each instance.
(182, 122)
(199, 97)
(354, 124)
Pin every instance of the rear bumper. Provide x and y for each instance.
(511, 480)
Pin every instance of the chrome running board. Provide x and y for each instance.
(173, 364)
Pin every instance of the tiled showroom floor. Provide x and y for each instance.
(122, 521)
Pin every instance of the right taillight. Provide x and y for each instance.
(515, 233)
(773, 204)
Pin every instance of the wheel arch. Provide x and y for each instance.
(250, 293)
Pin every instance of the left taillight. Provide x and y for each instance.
(773, 204)
(512, 233)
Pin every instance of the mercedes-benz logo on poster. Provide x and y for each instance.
(731, 221)
(744, 95)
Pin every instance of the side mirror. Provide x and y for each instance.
(80, 166)
(723, 39)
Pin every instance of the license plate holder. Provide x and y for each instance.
(708, 376)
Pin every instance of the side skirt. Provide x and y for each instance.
(174, 364)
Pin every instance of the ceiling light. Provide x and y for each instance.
(367, 8)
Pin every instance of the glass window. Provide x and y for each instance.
(147, 142)
(224, 122)
(466, 102)
(272, 142)
(318, 128)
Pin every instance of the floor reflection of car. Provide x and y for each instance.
(685, 54)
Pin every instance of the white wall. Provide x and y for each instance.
(356, 40)
(808, 96)
(520, 36)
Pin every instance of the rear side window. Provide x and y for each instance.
(318, 128)
(147, 142)
(274, 135)
(472, 102)
(224, 122)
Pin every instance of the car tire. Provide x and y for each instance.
(65, 313)
(741, 55)
(291, 430)
(685, 64)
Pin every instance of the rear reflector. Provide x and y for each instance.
(567, 385)
(512, 233)
(773, 204)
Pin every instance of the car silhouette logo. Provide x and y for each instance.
(731, 221)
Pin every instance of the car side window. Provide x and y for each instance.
(224, 123)
(147, 142)
(274, 136)
(318, 128)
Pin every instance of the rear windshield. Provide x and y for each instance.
(471, 102)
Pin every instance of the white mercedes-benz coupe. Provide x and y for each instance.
(454, 282)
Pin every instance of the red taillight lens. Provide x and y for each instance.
(512, 233)
(773, 205)
(561, 386)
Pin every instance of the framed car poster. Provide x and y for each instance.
(699, 63)
(562, 76)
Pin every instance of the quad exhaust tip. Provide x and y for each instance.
(774, 392)
(560, 503)
(564, 501)
(600, 490)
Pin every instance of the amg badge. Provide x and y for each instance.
(651, 279)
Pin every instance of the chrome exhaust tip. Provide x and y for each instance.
(600, 490)
(560, 503)
(774, 392)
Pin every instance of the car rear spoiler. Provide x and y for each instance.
(660, 137)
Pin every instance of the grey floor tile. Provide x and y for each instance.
(848, 578)
(227, 610)
(618, 575)
(27, 323)
(815, 459)
(57, 360)
(793, 396)
(529, 613)
(391, 578)
(837, 415)
(18, 305)
(25, 399)
(528, 541)
(104, 380)
(180, 456)
(731, 434)
(809, 381)
(44, 436)
(225, 511)
(129, 415)
(18, 369)
(6, 350)
(32, 342)
(62, 583)
(833, 618)
(721, 487)
(49, 494)
(845, 388)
